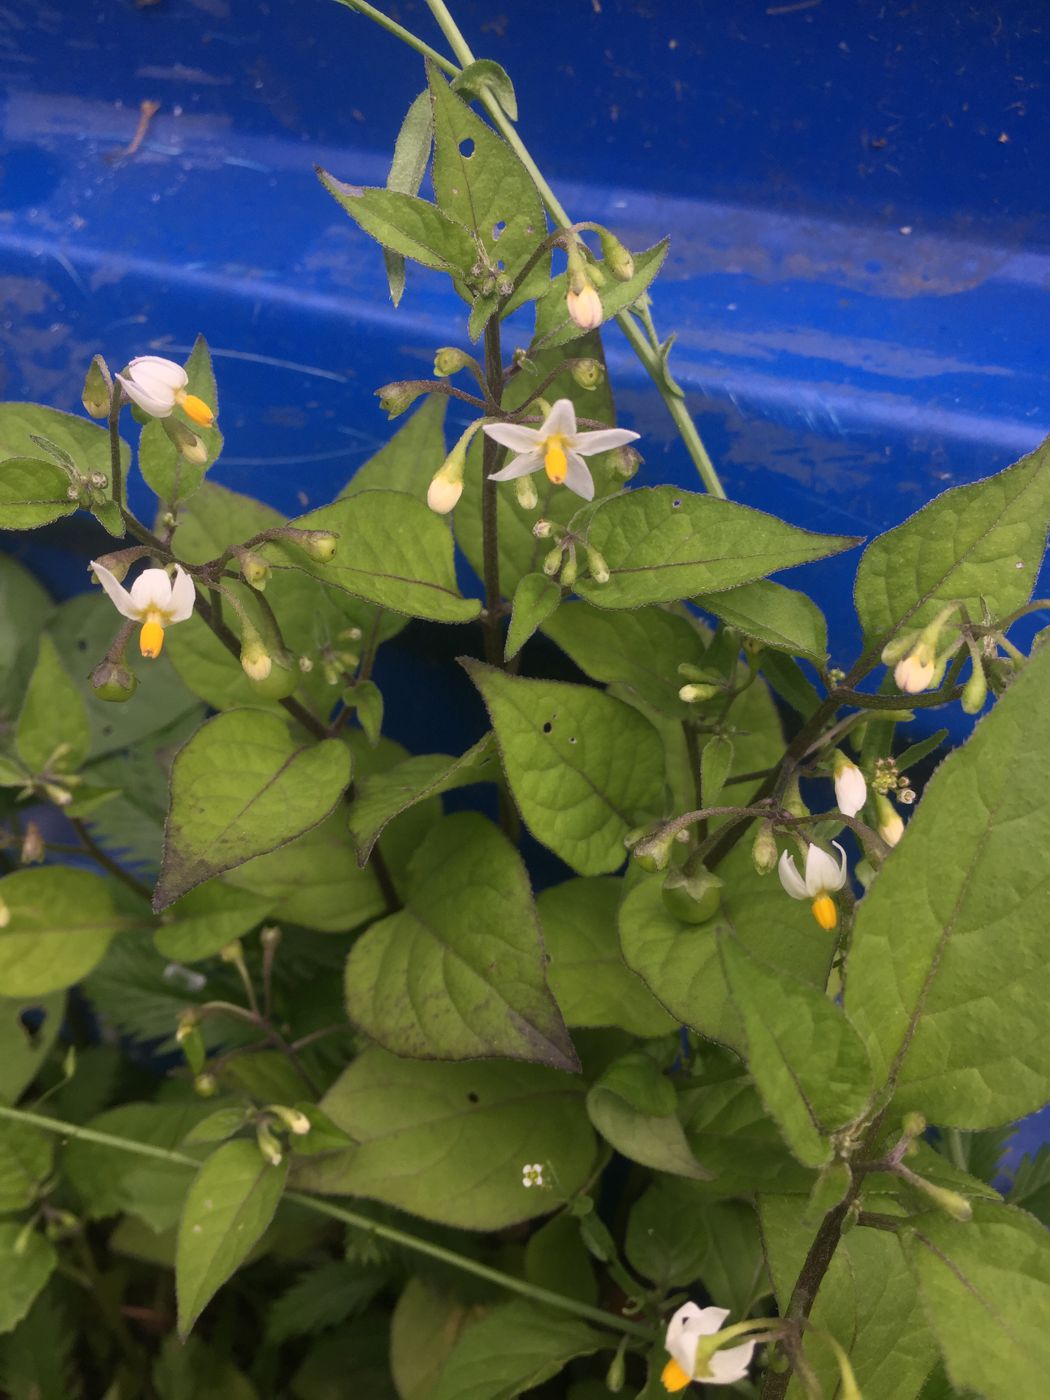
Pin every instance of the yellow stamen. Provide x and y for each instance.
(673, 1377)
(555, 461)
(151, 638)
(195, 408)
(825, 912)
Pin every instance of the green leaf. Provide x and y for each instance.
(638, 650)
(164, 469)
(515, 1347)
(949, 975)
(36, 1360)
(633, 1107)
(23, 1272)
(202, 922)
(320, 1299)
(412, 456)
(52, 718)
(667, 1233)
(60, 924)
(33, 492)
(563, 749)
(24, 611)
(556, 1258)
(787, 678)
(915, 753)
(218, 1126)
(366, 699)
(381, 797)
(481, 183)
(194, 1371)
(776, 616)
(867, 1301)
(1031, 1184)
(730, 1131)
(716, 762)
(483, 76)
(458, 972)
(662, 544)
(975, 544)
(240, 787)
(535, 599)
(25, 1160)
(232, 1200)
(554, 325)
(681, 965)
(808, 1062)
(426, 1325)
(590, 981)
(396, 552)
(28, 1030)
(985, 1287)
(406, 225)
(448, 1142)
(407, 168)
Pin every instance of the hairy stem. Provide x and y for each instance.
(490, 504)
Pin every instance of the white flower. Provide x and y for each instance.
(154, 599)
(158, 385)
(585, 308)
(445, 489)
(824, 877)
(556, 448)
(851, 791)
(684, 1331)
(532, 1174)
(914, 672)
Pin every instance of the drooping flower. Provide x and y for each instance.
(154, 599)
(914, 672)
(684, 1332)
(851, 791)
(556, 448)
(824, 877)
(585, 307)
(158, 386)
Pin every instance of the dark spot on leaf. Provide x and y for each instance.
(82, 644)
(466, 148)
(472, 1097)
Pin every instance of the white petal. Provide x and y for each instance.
(790, 878)
(513, 435)
(824, 874)
(680, 1320)
(560, 420)
(152, 589)
(730, 1365)
(183, 596)
(602, 440)
(154, 372)
(149, 403)
(519, 466)
(851, 791)
(709, 1320)
(119, 595)
(577, 476)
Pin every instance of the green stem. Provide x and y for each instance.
(400, 32)
(73, 1132)
(116, 466)
(956, 1149)
(490, 504)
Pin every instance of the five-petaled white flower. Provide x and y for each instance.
(684, 1331)
(556, 448)
(824, 877)
(154, 599)
(851, 791)
(158, 385)
(532, 1174)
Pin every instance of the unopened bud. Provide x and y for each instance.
(585, 308)
(552, 561)
(98, 387)
(32, 845)
(617, 258)
(185, 441)
(525, 490)
(764, 854)
(597, 565)
(975, 692)
(792, 800)
(692, 894)
(913, 1125)
(626, 461)
(270, 936)
(696, 694)
(56, 793)
(542, 529)
(447, 485)
(191, 1043)
(450, 360)
(616, 1375)
(401, 394)
(568, 569)
(292, 1119)
(254, 570)
(113, 680)
(588, 373)
(951, 1202)
(890, 824)
(206, 1086)
(268, 1145)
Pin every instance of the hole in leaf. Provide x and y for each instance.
(466, 148)
(31, 1020)
(572, 739)
(548, 727)
(675, 504)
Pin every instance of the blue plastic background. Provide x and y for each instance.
(856, 194)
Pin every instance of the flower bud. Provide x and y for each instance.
(256, 661)
(254, 570)
(914, 672)
(552, 561)
(270, 936)
(568, 569)
(185, 441)
(295, 1121)
(626, 461)
(450, 360)
(913, 1125)
(401, 394)
(792, 800)
(951, 1202)
(890, 824)
(320, 545)
(597, 565)
(851, 791)
(191, 1043)
(447, 486)
(975, 692)
(588, 373)
(113, 680)
(692, 894)
(764, 854)
(616, 1375)
(697, 694)
(206, 1086)
(653, 852)
(525, 491)
(281, 679)
(585, 308)
(542, 529)
(617, 258)
(268, 1144)
(98, 388)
